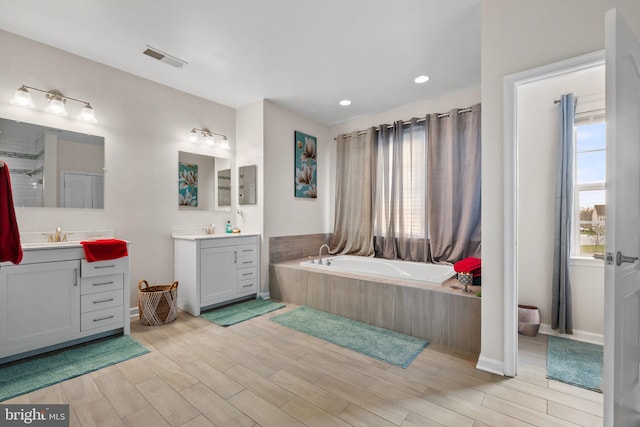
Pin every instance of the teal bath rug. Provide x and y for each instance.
(31, 374)
(575, 362)
(227, 316)
(389, 346)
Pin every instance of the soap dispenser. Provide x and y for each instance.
(228, 227)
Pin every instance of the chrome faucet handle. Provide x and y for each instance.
(312, 259)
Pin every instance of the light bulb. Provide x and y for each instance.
(56, 106)
(22, 98)
(88, 115)
(193, 136)
(225, 143)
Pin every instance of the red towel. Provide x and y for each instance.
(10, 247)
(468, 265)
(104, 249)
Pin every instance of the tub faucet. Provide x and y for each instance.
(320, 253)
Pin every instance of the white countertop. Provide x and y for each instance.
(210, 236)
(38, 240)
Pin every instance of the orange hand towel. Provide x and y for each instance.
(104, 249)
(10, 247)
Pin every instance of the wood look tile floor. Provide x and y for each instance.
(259, 373)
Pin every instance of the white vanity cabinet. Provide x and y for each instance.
(215, 269)
(56, 298)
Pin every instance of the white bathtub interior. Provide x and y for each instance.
(431, 273)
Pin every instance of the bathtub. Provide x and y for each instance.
(428, 273)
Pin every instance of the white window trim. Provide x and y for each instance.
(576, 258)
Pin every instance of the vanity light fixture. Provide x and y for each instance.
(225, 143)
(197, 135)
(56, 105)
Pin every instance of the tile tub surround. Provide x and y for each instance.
(283, 248)
(437, 313)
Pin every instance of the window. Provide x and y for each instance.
(404, 168)
(589, 185)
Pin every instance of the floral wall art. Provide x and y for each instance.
(306, 165)
(187, 184)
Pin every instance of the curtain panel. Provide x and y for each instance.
(454, 185)
(400, 220)
(355, 184)
(561, 305)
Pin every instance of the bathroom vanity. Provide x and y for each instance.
(215, 269)
(55, 298)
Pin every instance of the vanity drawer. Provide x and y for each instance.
(102, 268)
(99, 318)
(89, 285)
(247, 261)
(247, 287)
(246, 274)
(101, 300)
(248, 251)
(229, 240)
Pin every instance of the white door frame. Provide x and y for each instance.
(510, 132)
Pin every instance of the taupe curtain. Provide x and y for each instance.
(355, 183)
(400, 203)
(453, 185)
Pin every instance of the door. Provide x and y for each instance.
(40, 305)
(97, 191)
(217, 275)
(77, 191)
(622, 275)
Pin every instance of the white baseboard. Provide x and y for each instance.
(578, 335)
(265, 295)
(490, 365)
(133, 312)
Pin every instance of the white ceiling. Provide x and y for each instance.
(305, 55)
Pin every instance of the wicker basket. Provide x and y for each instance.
(157, 304)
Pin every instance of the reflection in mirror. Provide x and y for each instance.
(199, 183)
(247, 190)
(224, 188)
(53, 167)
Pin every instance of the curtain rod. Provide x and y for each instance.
(406, 122)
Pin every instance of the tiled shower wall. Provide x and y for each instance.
(284, 248)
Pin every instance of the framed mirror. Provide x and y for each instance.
(204, 182)
(53, 167)
(247, 189)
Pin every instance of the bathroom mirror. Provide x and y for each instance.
(52, 167)
(203, 183)
(247, 190)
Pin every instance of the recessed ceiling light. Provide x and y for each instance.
(421, 79)
(345, 102)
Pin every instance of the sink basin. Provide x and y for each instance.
(50, 245)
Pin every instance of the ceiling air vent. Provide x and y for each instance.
(164, 57)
